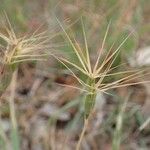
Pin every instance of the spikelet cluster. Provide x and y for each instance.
(14, 50)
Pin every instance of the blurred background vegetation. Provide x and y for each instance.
(50, 116)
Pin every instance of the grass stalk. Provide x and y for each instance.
(88, 107)
(90, 98)
(14, 132)
(82, 134)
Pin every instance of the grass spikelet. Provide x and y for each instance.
(14, 50)
(95, 74)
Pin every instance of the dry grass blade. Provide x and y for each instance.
(72, 64)
(106, 60)
(74, 87)
(80, 52)
(16, 48)
(107, 74)
(73, 46)
(124, 81)
(115, 53)
(101, 49)
(61, 60)
(86, 48)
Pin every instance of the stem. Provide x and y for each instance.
(82, 134)
(90, 98)
(15, 135)
(88, 106)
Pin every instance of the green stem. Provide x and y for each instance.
(90, 98)
(88, 107)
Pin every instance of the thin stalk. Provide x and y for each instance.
(15, 136)
(88, 106)
(82, 134)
